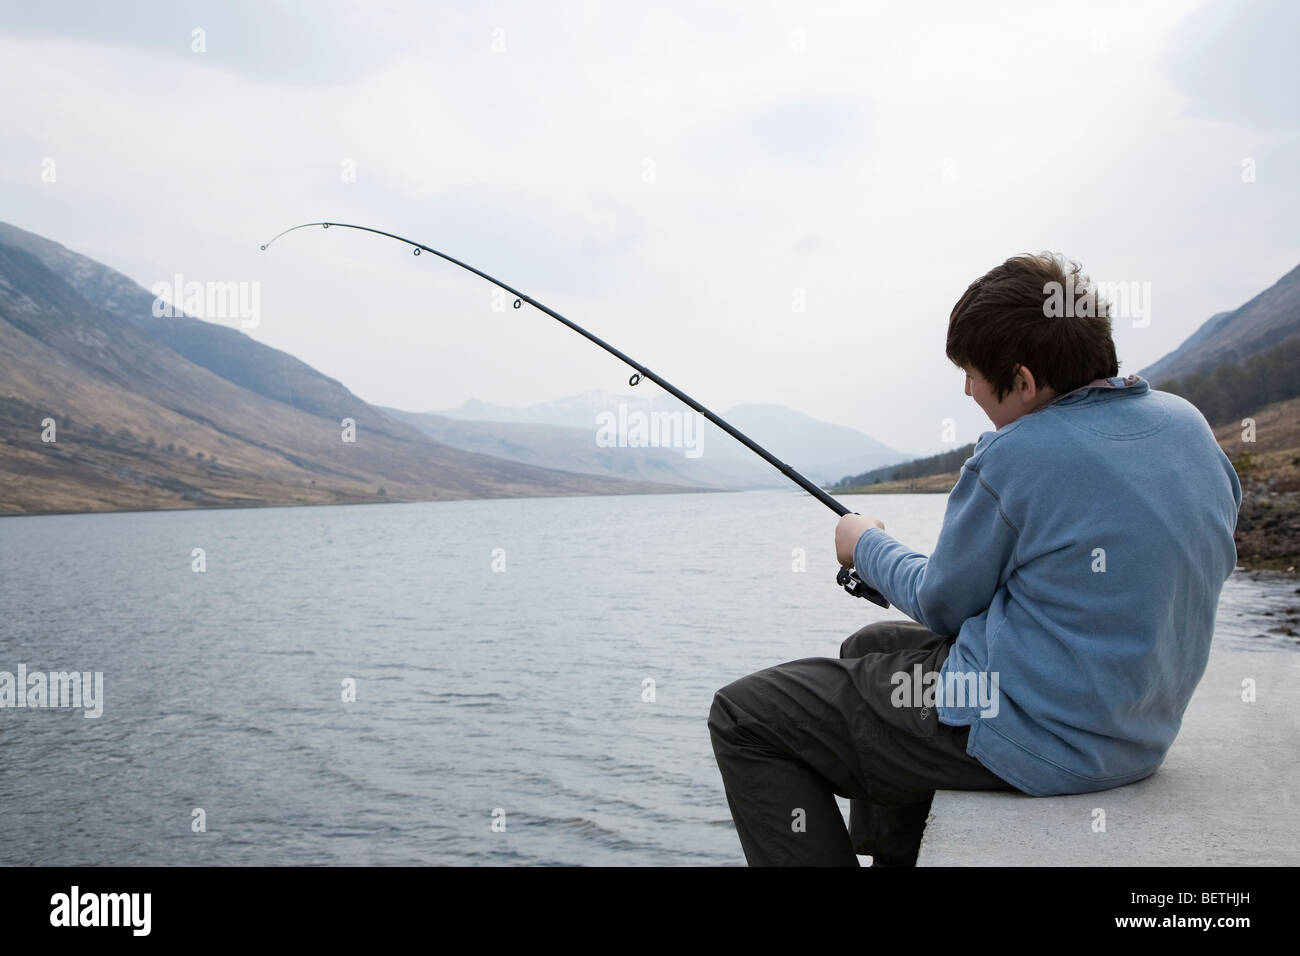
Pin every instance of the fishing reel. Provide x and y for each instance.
(848, 579)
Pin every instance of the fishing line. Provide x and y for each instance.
(847, 578)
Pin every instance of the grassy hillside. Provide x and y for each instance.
(1230, 391)
(1264, 322)
(928, 484)
(1268, 528)
(915, 475)
(140, 426)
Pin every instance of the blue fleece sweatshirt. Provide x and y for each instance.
(1080, 561)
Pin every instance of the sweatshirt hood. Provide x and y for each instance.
(1133, 384)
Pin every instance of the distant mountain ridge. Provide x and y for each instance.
(820, 450)
(225, 351)
(1260, 324)
(944, 463)
(575, 449)
(104, 407)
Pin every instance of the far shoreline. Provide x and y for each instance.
(1265, 536)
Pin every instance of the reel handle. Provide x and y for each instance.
(854, 585)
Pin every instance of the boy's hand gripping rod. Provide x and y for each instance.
(847, 577)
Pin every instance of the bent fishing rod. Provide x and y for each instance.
(847, 577)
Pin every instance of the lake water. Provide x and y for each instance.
(476, 690)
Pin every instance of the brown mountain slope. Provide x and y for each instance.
(1262, 323)
(1268, 528)
(140, 426)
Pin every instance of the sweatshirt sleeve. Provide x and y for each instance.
(960, 578)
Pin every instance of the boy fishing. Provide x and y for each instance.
(1062, 621)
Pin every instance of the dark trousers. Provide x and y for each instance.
(788, 739)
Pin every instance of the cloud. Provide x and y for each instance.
(322, 42)
(812, 130)
(1236, 62)
(865, 173)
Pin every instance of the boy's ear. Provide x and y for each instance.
(1025, 382)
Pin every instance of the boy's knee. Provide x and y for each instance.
(864, 640)
(722, 720)
(722, 713)
(729, 705)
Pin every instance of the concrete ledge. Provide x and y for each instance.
(1226, 794)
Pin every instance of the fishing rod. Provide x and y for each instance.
(847, 577)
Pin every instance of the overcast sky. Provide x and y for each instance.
(677, 177)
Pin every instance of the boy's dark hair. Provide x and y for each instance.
(1038, 311)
